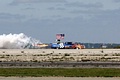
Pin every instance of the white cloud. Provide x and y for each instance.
(15, 2)
(84, 5)
(56, 8)
(116, 0)
(10, 16)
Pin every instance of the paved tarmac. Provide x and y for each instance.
(109, 58)
(59, 64)
(59, 78)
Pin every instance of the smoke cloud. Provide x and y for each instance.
(17, 41)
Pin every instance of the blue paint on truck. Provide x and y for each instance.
(66, 45)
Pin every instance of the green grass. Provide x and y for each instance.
(66, 72)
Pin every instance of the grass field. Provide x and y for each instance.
(60, 72)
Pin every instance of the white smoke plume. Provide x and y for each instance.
(17, 41)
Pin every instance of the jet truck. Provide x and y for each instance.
(67, 45)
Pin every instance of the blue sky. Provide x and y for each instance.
(80, 20)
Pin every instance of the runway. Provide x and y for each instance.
(60, 58)
(59, 64)
(59, 78)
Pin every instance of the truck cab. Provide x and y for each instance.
(68, 45)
